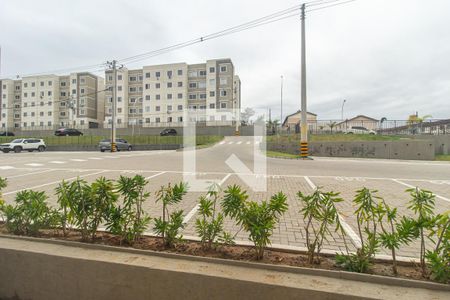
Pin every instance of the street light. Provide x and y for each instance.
(281, 100)
(342, 109)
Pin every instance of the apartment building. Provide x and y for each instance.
(49, 101)
(159, 95)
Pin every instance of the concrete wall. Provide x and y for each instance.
(95, 147)
(36, 269)
(420, 150)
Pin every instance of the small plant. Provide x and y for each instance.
(129, 221)
(30, 213)
(258, 219)
(210, 225)
(64, 193)
(169, 225)
(320, 213)
(422, 204)
(81, 206)
(438, 259)
(2, 202)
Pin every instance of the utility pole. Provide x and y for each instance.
(342, 110)
(113, 65)
(304, 124)
(281, 100)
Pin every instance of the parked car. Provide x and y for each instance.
(68, 132)
(6, 133)
(121, 144)
(168, 131)
(359, 130)
(30, 145)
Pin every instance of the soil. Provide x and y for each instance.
(241, 253)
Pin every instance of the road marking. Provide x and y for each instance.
(95, 158)
(53, 182)
(248, 143)
(149, 177)
(193, 211)
(347, 228)
(6, 168)
(240, 142)
(56, 162)
(21, 175)
(221, 143)
(413, 187)
(230, 143)
(34, 165)
(77, 159)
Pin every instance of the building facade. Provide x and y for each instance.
(50, 101)
(160, 95)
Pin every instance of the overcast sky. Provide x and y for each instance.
(388, 58)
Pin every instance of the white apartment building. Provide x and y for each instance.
(49, 101)
(159, 95)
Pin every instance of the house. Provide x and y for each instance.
(292, 122)
(360, 120)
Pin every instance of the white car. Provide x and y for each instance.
(30, 145)
(359, 130)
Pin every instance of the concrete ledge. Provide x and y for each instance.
(50, 269)
(95, 147)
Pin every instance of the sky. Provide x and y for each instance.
(386, 58)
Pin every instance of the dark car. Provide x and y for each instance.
(68, 132)
(168, 131)
(121, 144)
(6, 133)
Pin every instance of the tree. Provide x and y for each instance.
(332, 125)
(247, 114)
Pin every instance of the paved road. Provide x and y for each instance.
(43, 171)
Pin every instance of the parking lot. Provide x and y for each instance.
(43, 171)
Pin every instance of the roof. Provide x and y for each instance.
(358, 116)
(298, 111)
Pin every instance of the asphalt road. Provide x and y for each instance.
(43, 171)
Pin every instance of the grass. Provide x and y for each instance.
(134, 140)
(277, 154)
(334, 138)
(443, 157)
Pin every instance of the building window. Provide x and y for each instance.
(202, 96)
(223, 105)
(50, 83)
(180, 96)
(180, 107)
(119, 87)
(74, 81)
(169, 84)
(169, 74)
(147, 120)
(169, 119)
(157, 108)
(119, 121)
(119, 77)
(147, 109)
(180, 72)
(132, 100)
(63, 94)
(223, 81)
(158, 97)
(192, 96)
(158, 85)
(147, 86)
(74, 92)
(42, 83)
(147, 97)
(25, 95)
(82, 80)
(180, 83)
(119, 110)
(223, 93)
(133, 89)
(158, 74)
(193, 74)
(192, 85)
(223, 69)
(212, 70)
(212, 105)
(202, 73)
(119, 99)
(212, 93)
(49, 113)
(169, 96)
(147, 75)
(33, 84)
(133, 78)
(157, 120)
(82, 91)
(25, 85)
(169, 107)
(110, 78)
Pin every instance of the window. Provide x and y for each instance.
(180, 83)
(202, 96)
(119, 87)
(223, 105)
(193, 74)
(25, 95)
(133, 78)
(192, 85)
(147, 97)
(62, 104)
(42, 83)
(158, 85)
(147, 86)
(50, 83)
(212, 105)
(169, 74)
(63, 94)
(119, 110)
(41, 114)
(82, 91)
(140, 77)
(81, 122)
(17, 87)
(169, 96)
(110, 78)
(158, 74)
(223, 69)
(180, 96)
(119, 121)
(223, 81)
(62, 114)
(147, 109)
(212, 93)
(202, 73)
(212, 82)
(212, 70)
(147, 75)
(82, 111)
(169, 84)
(119, 99)
(33, 94)
(147, 120)
(223, 93)
(157, 120)
(26, 84)
(192, 96)
(140, 99)
(33, 84)
(132, 100)
(158, 97)
(180, 72)
(74, 81)
(32, 114)
(169, 119)
(180, 119)
(180, 107)
(133, 89)
(49, 93)
(132, 110)
(49, 123)
(157, 108)
(82, 80)
(74, 92)
(119, 77)
(169, 107)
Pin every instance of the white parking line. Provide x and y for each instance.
(34, 165)
(240, 142)
(193, 211)
(347, 228)
(27, 174)
(413, 187)
(53, 182)
(149, 177)
(6, 168)
(229, 143)
(248, 143)
(56, 162)
(95, 158)
(221, 143)
(77, 159)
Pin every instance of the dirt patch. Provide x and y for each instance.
(240, 253)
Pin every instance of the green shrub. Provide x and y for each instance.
(129, 221)
(258, 219)
(438, 259)
(29, 214)
(169, 225)
(2, 202)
